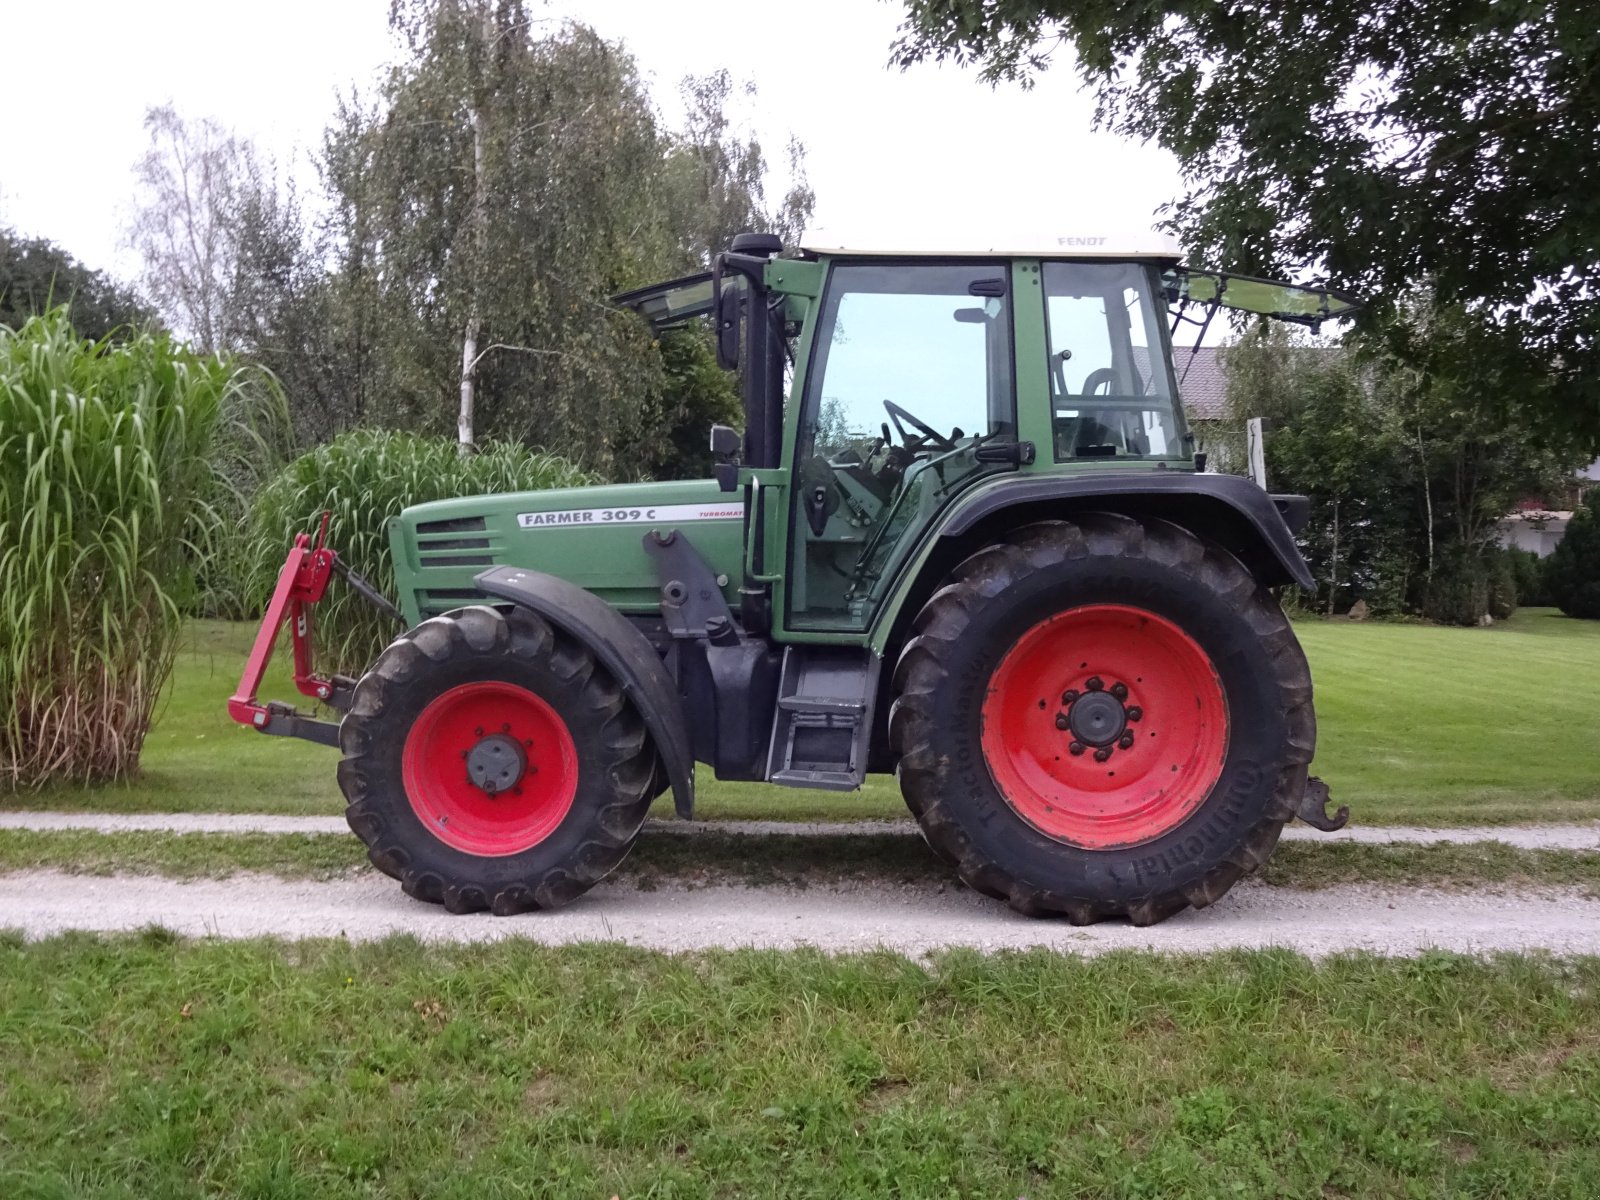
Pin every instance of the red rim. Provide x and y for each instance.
(1159, 703)
(458, 810)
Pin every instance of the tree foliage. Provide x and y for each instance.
(1411, 448)
(504, 180)
(37, 275)
(183, 228)
(1385, 142)
(1573, 571)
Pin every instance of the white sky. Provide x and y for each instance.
(930, 154)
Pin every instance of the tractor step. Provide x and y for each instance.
(822, 730)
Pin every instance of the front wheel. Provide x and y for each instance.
(1102, 717)
(490, 762)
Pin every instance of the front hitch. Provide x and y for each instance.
(1313, 808)
(301, 583)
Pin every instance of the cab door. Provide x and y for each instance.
(910, 396)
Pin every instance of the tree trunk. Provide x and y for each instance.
(1427, 496)
(1333, 560)
(469, 371)
(465, 432)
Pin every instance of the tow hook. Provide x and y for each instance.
(1313, 808)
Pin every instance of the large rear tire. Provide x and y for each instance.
(1103, 717)
(490, 762)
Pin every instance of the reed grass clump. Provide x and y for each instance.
(112, 460)
(362, 479)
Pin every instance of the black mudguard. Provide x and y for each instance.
(1188, 499)
(623, 650)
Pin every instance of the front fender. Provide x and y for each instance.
(623, 651)
(1192, 500)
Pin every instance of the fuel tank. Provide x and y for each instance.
(590, 536)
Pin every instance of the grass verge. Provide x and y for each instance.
(707, 859)
(399, 1068)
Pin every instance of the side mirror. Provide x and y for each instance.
(728, 301)
(725, 446)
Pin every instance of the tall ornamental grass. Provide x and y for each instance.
(113, 457)
(363, 479)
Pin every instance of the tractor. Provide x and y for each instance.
(965, 536)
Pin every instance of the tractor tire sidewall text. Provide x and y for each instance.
(965, 632)
(615, 761)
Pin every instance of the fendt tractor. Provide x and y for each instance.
(965, 537)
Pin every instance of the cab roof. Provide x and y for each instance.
(1108, 244)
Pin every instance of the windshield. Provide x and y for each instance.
(1110, 379)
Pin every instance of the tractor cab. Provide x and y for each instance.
(881, 383)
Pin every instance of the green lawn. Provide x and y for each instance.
(152, 1067)
(1418, 724)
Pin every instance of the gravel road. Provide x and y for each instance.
(912, 920)
(1525, 837)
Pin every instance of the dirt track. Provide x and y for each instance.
(909, 919)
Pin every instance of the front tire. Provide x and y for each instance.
(1103, 717)
(491, 763)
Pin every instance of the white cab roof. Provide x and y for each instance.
(1076, 244)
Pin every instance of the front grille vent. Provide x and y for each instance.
(453, 525)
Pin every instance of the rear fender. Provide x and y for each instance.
(1230, 510)
(622, 649)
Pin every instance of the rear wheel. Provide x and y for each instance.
(1101, 718)
(489, 762)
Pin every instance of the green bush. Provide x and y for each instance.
(111, 466)
(1502, 577)
(1458, 592)
(1573, 571)
(363, 479)
(1533, 589)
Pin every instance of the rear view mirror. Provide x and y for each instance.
(970, 316)
(728, 301)
(725, 441)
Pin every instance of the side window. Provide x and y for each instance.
(916, 338)
(910, 372)
(1111, 387)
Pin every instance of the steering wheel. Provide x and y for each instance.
(902, 418)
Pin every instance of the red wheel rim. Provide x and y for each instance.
(1163, 758)
(472, 719)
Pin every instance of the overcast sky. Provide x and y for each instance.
(930, 153)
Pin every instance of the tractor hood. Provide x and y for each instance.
(589, 536)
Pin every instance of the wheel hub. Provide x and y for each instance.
(497, 763)
(1097, 718)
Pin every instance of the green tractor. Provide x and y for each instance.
(964, 537)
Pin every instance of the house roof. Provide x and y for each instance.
(1202, 382)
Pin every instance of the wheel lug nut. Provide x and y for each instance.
(1068, 696)
(1126, 740)
(1135, 713)
(1102, 754)
(1061, 720)
(1119, 690)
(1096, 684)
(1075, 748)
